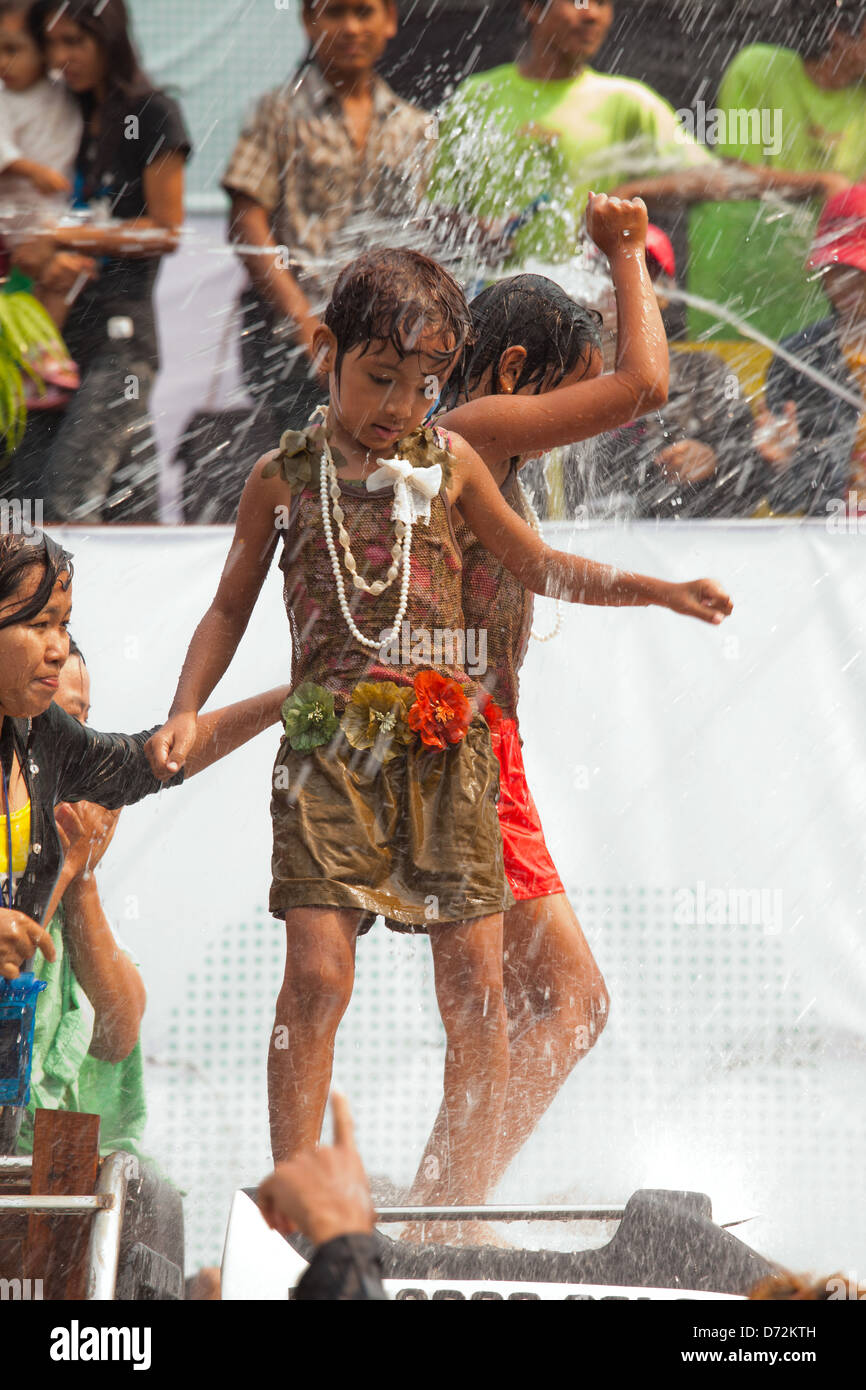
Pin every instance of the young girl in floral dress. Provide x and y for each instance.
(384, 788)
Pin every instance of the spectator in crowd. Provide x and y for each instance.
(693, 456)
(47, 757)
(324, 1194)
(87, 1054)
(86, 1047)
(130, 165)
(751, 257)
(35, 369)
(549, 126)
(40, 130)
(814, 438)
(331, 145)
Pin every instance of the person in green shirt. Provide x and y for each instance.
(66, 1075)
(820, 95)
(549, 126)
(86, 1046)
(87, 1054)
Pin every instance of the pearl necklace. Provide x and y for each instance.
(379, 585)
(401, 549)
(535, 523)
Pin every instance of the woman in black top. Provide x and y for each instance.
(98, 462)
(47, 756)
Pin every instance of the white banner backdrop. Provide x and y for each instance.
(196, 293)
(703, 792)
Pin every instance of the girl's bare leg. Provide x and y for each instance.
(456, 1167)
(316, 989)
(557, 1006)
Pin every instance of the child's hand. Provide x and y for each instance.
(688, 459)
(48, 180)
(86, 831)
(616, 224)
(169, 747)
(65, 270)
(699, 598)
(776, 437)
(19, 938)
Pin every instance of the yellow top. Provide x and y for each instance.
(20, 841)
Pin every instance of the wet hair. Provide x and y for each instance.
(20, 553)
(814, 23)
(10, 7)
(106, 21)
(532, 312)
(543, 5)
(307, 5)
(399, 297)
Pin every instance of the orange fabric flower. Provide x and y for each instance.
(441, 713)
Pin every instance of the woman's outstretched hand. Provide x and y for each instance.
(699, 598)
(20, 936)
(168, 749)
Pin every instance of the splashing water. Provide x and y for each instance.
(744, 327)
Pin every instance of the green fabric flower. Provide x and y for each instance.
(309, 717)
(375, 718)
(298, 458)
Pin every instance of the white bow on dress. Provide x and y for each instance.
(414, 488)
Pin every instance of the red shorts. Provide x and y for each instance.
(530, 871)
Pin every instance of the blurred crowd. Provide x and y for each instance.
(766, 311)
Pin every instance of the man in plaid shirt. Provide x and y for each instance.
(322, 166)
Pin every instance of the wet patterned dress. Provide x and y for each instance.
(401, 827)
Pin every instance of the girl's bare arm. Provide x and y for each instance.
(544, 570)
(501, 427)
(221, 731)
(250, 231)
(216, 638)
